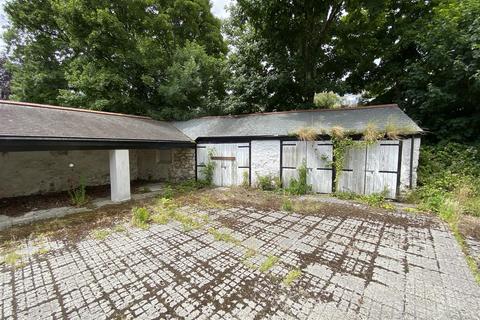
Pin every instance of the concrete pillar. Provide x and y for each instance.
(119, 175)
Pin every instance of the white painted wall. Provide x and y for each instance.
(119, 175)
(406, 158)
(265, 159)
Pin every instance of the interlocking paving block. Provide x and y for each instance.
(351, 268)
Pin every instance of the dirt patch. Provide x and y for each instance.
(469, 226)
(268, 201)
(75, 226)
(16, 206)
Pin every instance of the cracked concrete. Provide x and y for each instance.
(352, 268)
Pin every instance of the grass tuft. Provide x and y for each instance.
(337, 132)
(269, 263)
(13, 259)
(101, 234)
(223, 236)
(292, 276)
(140, 217)
(306, 134)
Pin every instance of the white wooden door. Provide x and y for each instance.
(232, 162)
(316, 155)
(294, 153)
(352, 177)
(381, 169)
(319, 166)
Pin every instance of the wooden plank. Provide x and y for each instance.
(224, 158)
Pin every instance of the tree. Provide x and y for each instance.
(432, 71)
(114, 55)
(327, 100)
(292, 49)
(5, 78)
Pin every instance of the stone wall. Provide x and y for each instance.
(183, 165)
(39, 172)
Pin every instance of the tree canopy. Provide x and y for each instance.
(169, 58)
(134, 56)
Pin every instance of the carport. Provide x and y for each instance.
(27, 130)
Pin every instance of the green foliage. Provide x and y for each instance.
(208, 169)
(13, 259)
(144, 57)
(287, 205)
(246, 179)
(269, 263)
(449, 179)
(140, 217)
(223, 236)
(430, 64)
(376, 200)
(78, 195)
(340, 148)
(168, 192)
(292, 276)
(268, 182)
(101, 234)
(300, 186)
(327, 100)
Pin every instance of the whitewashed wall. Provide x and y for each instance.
(265, 158)
(407, 160)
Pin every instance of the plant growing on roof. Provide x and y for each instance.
(306, 134)
(371, 134)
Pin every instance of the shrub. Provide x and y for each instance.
(300, 186)
(268, 182)
(327, 100)
(140, 217)
(168, 192)
(78, 195)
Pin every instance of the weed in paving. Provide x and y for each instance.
(101, 234)
(292, 276)
(269, 263)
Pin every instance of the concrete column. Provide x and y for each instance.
(119, 175)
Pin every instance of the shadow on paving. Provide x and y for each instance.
(354, 262)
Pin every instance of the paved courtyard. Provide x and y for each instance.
(352, 267)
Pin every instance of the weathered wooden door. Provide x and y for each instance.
(371, 169)
(382, 168)
(316, 155)
(319, 165)
(232, 162)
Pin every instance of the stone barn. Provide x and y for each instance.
(48, 149)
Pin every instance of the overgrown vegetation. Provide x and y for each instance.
(306, 134)
(78, 195)
(377, 200)
(449, 185)
(140, 217)
(268, 182)
(287, 205)
(101, 234)
(299, 186)
(208, 170)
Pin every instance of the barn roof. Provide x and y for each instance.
(288, 122)
(26, 124)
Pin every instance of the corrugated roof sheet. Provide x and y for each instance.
(42, 121)
(285, 123)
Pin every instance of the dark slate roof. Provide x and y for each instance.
(26, 121)
(288, 122)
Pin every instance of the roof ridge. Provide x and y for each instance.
(48, 106)
(297, 111)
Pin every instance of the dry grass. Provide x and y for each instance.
(371, 133)
(306, 134)
(337, 132)
(392, 131)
